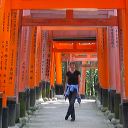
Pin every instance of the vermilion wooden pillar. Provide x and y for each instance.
(47, 70)
(32, 58)
(112, 57)
(83, 78)
(45, 63)
(106, 61)
(23, 53)
(58, 68)
(114, 71)
(103, 58)
(44, 35)
(114, 64)
(121, 50)
(32, 66)
(123, 31)
(117, 96)
(58, 62)
(5, 26)
(38, 57)
(52, 69)
(44, 42)
(9, 22)
(102, 50)
(118, 80)
(23, 69)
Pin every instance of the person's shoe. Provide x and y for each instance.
(66, 117)
(72, 119)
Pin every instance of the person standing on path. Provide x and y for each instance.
(72, 89)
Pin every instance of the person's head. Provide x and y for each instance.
(72, 66)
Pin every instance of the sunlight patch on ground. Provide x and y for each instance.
(62, 101)
(87, 101)
(50, 107)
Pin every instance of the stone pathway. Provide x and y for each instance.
(51, 115)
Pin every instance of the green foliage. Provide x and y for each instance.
(91, 79)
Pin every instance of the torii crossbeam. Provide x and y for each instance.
(55, 4)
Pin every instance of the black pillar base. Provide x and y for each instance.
(22, 100)
(0, 112)
(32, 97)
(11, 103)
(100, 94)
(82, 96)
(47, 89)
(117, 101)
(27, 99)
(59, 90)
(52, 91)
(43, 84)
(120, 113)
(38, 92)
(111, 100)
(5, 118)
(104, 98)
(17, 112)
(125, 114)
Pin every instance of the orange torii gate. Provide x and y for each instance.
(86, 57)
(74, 47)
(68, 47)
(83, 58)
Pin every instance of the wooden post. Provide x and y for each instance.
(121, 50)
(103, 64)
(112, 63)
(23, 70)
(58, 62)
(52, 69)
(32, 59)
(58, 68)
(5, 27)
(103, 58)
(32, 66)
(83, 78)
(38, 57)
(125, 29)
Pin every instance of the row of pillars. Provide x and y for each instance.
(11, 114)
(27, 66)
(111, 100)
(112, 67)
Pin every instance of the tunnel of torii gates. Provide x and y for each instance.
(36, 36)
